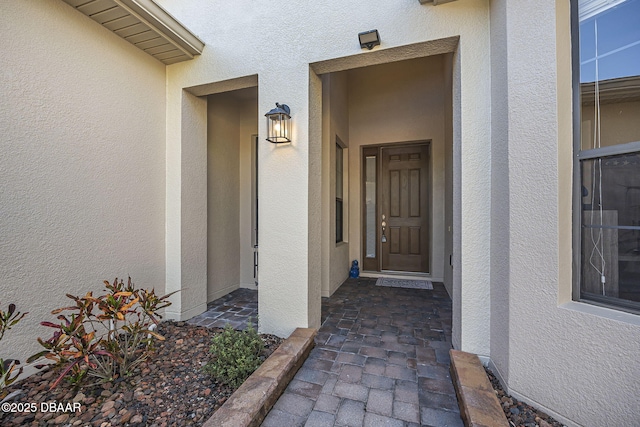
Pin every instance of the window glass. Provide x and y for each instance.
(609, 156)
(370, 205)
(339, 191)
(611, 227)
(339, 221)
(607, 31)
(339, 163)
(609, 72)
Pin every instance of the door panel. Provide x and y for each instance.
(394, 193)
(404, 205)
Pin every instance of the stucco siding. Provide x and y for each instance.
(248, 129)
(499, 191)
(578, 361)
(473, 124)
(447, 267)
(325, 192)
(82, 169)
(340, 263)
(223, 195)
(335, 116)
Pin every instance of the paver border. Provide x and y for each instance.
(479, 405)
(253, 400)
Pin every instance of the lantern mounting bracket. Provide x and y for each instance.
(284, 107)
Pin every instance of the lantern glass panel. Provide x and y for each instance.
(279, 128)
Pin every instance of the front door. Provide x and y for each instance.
(396, 215)
(404, 208)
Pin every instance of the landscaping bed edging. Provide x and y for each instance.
(479, 406)
(253, 400)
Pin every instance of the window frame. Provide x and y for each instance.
(580, 155)
(339, 205)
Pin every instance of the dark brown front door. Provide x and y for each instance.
(404, 208)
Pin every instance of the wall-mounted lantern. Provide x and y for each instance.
(369, 39)
(279, 124)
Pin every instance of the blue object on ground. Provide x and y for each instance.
(354, 273)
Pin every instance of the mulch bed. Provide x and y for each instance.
(170, 389)
(520, 414)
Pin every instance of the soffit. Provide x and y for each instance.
(589, 8)
(144, 24)
(435, 2)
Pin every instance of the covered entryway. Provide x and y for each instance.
(388, 170)
(342, 96)
(232, 201)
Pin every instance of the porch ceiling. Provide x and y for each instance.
(144, 24)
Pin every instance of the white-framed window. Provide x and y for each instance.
(606, 58)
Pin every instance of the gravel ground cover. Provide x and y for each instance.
(170, 389)
(520, 414)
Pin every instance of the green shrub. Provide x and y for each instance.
(236, 354)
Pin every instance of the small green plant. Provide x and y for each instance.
(8, 373)
(105, 336)
(236, 354)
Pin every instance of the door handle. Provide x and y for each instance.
(384, 226)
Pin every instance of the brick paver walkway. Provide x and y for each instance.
(236, 308)
(381, 359)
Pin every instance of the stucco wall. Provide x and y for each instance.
(335, 116)
(239, 40)
(447, 264)
(223, 191)
(340, 262)
(248, 128)
(577, 360)
(400, 102)
(325, 194)
(500, 247)
(82, 170)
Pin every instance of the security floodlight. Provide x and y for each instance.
(369, 39)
